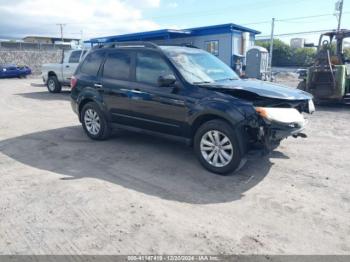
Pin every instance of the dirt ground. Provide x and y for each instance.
(62, 193)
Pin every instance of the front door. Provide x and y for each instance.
(154, 107)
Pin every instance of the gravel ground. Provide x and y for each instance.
(62, 193)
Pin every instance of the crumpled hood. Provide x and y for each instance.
(265, 89)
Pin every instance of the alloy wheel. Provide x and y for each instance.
(216, 148)
(51, 85)
(92, 121)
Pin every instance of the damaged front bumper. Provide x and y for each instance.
(275, 124)
(271, 134)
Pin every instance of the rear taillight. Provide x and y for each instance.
(73, 82)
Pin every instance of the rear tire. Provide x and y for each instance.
(94, 122)
(217, 148)
(53, 85)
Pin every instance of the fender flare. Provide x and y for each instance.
(92, 96)
(226, 112)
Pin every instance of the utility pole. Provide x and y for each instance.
(271, 47)
(339, 12)
(61, 30)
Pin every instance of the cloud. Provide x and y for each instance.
(93, 17)
(143, 3)
(173, 5)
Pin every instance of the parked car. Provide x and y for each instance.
(188, 94)
(57, 75)
(14, 71)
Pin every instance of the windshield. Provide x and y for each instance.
(198, 66)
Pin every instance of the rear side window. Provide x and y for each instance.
(117, 66)
(74, 57)
(149, 67)
(92, 63)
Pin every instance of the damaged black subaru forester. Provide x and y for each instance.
(185, 93)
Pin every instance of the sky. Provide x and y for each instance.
(93, 18)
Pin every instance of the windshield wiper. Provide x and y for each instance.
(202, 82)
(226, 79)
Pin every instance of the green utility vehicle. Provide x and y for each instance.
(328, 79)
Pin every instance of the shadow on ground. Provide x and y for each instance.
(146, 164)
(37, 85)
(46, 95)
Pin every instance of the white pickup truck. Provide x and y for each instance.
(57, 75)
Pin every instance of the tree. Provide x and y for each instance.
(303, 56)
(284, 55)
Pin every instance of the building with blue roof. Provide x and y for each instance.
(227, 41)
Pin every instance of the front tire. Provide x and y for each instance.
(53, 85)
(217, 148)
(94, 122)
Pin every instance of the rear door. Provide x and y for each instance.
(116, 85)
(89, 71)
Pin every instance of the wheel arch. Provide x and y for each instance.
(235, 125)
(82, 101)
(51, 73)
(82, 104)
(203, 118)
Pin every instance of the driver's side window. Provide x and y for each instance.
(149, 67)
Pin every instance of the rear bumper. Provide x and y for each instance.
(75, 106)
(44, 77)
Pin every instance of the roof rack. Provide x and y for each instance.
(127, 44)
(188, 45)
(138, 44)
(184, 45)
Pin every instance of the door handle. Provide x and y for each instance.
(137, 91)
(98, 85)
(67, 66)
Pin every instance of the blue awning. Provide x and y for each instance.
(173, 33)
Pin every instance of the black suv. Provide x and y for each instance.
(184, 92)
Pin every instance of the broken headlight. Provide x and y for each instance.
(285, 116)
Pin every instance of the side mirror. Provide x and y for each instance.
(166, 80)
